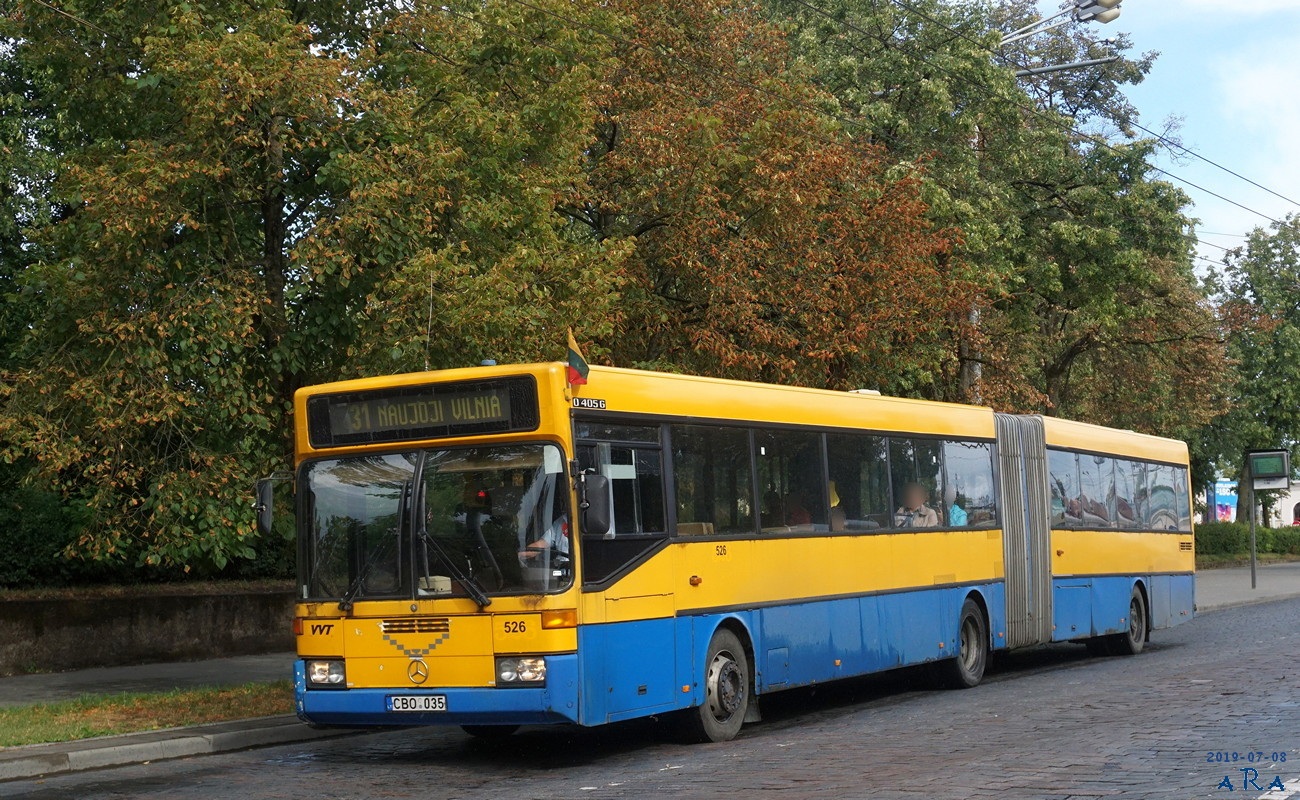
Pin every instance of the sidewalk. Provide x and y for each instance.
(1229, 587)
(1215, 589)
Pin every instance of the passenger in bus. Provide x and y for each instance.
(839, 520)
(914, 513)
(784, 511)
(795, 511)
(957, 517)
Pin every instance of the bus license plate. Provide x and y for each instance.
(417, 702)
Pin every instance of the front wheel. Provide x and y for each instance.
(726, 692)
(967, 669)
(1131, 642)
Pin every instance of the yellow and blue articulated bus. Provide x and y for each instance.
(493, 547)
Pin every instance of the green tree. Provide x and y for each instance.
(250, 210)
(1257, 289)
(1108, 321)
(471, 125)
(770, 244)
(1089, 307)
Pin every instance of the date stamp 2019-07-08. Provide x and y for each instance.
(1254, 770)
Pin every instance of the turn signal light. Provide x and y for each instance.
(567, 618)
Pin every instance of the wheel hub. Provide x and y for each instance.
(968, 655)
(725, 686)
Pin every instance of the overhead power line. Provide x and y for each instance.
(74, 18)
(1212, 244)
(906, 6)
(1172, 144)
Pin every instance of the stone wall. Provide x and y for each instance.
(54, 635)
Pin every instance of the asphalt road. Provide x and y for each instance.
(1049, 723)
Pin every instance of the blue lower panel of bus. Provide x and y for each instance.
(464, 706)
(816, 642)
(1098, 606)
(636, 669)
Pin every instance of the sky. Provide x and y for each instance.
(1230, 69)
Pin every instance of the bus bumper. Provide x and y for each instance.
(556, 703)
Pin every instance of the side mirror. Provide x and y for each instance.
(265, 504)
(593, 498)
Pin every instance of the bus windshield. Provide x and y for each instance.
(455, 522)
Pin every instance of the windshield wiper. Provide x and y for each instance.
(345, 602)
(472, 587)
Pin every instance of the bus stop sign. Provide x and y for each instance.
(1269, 469)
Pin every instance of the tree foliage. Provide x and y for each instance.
(249, 213)
(1090, 307)
(769, 244)
(212, 204)
(1257, 290)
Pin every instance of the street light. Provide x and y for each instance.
(1096, 10)
(1102, 11)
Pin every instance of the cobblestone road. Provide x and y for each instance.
(1050, 723)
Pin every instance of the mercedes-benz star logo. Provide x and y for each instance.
(418, 671)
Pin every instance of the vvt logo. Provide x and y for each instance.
(321, 629)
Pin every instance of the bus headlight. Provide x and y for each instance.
(521, 671)
(326, 674)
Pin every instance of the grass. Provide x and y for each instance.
(1213, 561)
(107, 715)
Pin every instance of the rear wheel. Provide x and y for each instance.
(1131, 642)
(967, 669)
(489, 731)
(726, 692)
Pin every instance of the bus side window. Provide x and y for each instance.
(968, 497)
(635, 483)
(858, 482)
(1183, 494)
(631, 457)
(1097, 491)
(1067, 504)
(790, 481)
(1162, 498)
(715, 489)
(1130, 491)
(915, 471)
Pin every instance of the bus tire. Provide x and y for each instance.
(1132, 642)
(726, 692)
(489, 731)
(967, 669)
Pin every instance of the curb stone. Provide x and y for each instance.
(32, 761)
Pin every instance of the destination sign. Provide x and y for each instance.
(423, 412)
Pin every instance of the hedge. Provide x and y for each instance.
(37, 526)
(1233, 538)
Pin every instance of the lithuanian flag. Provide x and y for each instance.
(578, 367)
